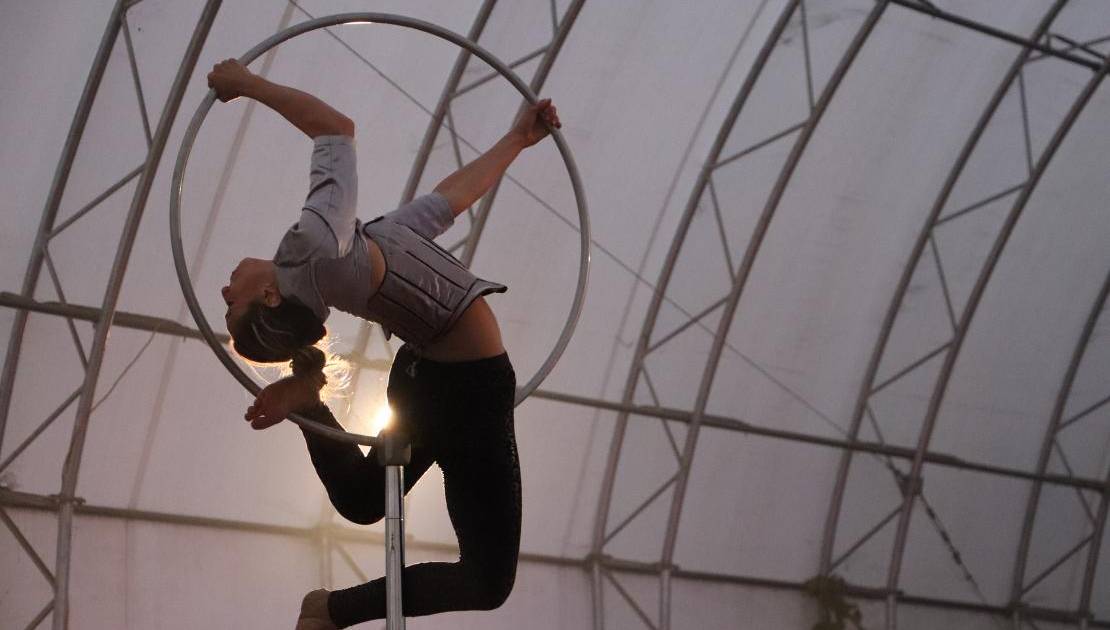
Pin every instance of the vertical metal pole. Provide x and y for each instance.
(50, 210)
(108, 310)
(394, 546)
(665, 599)
(598, 593)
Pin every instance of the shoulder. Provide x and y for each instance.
(309, 238)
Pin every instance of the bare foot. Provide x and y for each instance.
(314, 612)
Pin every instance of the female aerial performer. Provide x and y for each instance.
(451, 386)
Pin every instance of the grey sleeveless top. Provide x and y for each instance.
(323, 259)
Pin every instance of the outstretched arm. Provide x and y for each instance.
(231, 80)
(466, 185)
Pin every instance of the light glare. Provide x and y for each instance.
(381, 419)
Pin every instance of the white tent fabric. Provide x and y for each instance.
(192, 520)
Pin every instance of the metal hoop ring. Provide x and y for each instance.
(431, 29)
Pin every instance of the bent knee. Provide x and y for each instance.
(495, 592)
(361, 515)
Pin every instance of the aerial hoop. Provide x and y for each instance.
(415, 24)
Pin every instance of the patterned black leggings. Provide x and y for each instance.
(460, 415)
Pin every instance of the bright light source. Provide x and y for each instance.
(381, 419)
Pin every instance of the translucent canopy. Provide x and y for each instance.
(844, 323)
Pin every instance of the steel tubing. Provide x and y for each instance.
(748, 262)
(1017, 583)
(108, 308)
(965, 323)
(643, 344)
(1027, 44)
(53, 201)
(591, 564)
(867, 385)
(394, 545)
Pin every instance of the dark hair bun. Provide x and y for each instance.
(309, 361)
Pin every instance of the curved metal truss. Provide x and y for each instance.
(803, 131)
(85, 396)
(1033, 49)
(1062, 424)
(960, 319)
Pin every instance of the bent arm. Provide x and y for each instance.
(306, 112)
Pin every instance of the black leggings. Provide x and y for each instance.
(459, 415)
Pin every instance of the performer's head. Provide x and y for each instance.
(266, 327)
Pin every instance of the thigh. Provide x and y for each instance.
(421, 460)
(483, 491)
(406, 416)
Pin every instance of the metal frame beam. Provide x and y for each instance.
(605, 497)
(24, 303)
(122, 319)
(197, 261)
(1026, 43)
(854, 446)
(86, 402)
(739, 281)
(599, 566)
(149, 323)
(868, 385)
(53, 201)
(746, 265)
(450, 87)
(966, 318)
(170, 327)
(1018, 587)
(341, 534)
